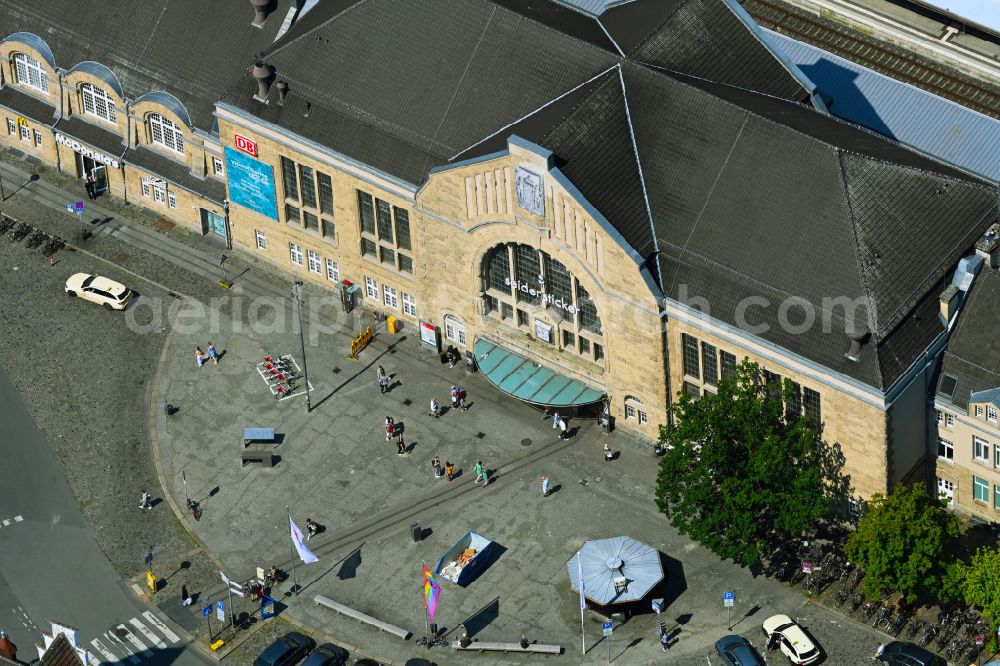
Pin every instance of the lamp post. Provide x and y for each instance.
(229, 231)
(302, 340)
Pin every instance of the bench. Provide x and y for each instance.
(361, 617)
(265, 458)
(508, 647)
(257, 435)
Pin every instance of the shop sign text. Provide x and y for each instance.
(87, 152)
(535, 293)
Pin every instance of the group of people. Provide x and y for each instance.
(452, 356)
(558, 423)
(202, 358)
(446, 470)
(394, 430)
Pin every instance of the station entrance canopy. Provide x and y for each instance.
(525, 380)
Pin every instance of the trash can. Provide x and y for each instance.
(391, 324)
(416, 533)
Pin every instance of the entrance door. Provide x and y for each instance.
(946, 490)
(216, 224)
(100, 174)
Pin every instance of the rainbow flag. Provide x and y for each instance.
(431, 593)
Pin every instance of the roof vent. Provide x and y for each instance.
(264, 75)
(308, 107)
(261, 9)
(282, 87)
(949, 302)
(858, 333)
(988, 247)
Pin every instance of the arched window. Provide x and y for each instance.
(454, 329)
(165, 133)
(98, 103)
(30, 72)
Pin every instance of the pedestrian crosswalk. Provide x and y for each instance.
(132, 641)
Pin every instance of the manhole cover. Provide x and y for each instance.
(597, 479)
(480, 435)
(336, 371)
(525, 442)
(407, 402)
(121, 632)
(122, 256)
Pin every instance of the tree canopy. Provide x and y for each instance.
(737, 466)
(980, 582)
(902, 543)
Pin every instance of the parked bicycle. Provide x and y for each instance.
(432, 641)
(18, 232)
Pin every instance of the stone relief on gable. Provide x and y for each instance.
(530, 194)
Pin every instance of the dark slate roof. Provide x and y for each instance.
(176, 172)
(60, 653)
(973, 354)
(190, 48)
(93, 135)
(27, 105)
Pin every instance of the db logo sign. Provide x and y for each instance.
(248, 146)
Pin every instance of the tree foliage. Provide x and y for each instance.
(902, 541)
(980, 582)
(736, 468)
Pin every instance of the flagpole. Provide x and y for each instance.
(583, 633)
(291, 546)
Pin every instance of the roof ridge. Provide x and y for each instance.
(638, 165)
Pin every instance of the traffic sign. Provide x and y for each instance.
(79, 206)
(806, 567)
(69, 207)
(608, 628)
(728, 599)
(206, 611)
(980, 640)
(220, 611)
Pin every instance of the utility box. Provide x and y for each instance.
(348, 296)
(416, 532)
(392, 324)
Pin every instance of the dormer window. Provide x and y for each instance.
(30, 72)
(98, 103)
(165, 133)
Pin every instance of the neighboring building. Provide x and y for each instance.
(968, 399)
(602, 210)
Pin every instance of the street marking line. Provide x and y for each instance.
(128, 651)
(107, 654)
(150, 636)
(134, 640)
(18, 519)
(164, 629)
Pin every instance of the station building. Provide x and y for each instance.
(603, 210)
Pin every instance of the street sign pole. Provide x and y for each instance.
(608, 628)
(728, 599)
(207, 612)
(232, 614)
(79, 213)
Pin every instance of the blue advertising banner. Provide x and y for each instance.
(266, 607)
(251, 183)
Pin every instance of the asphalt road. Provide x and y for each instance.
(51, 568)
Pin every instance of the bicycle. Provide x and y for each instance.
(432, 641)
(867, 611)
(856, 600)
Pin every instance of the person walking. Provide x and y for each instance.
(608, 455)
(563, 430)
(212, 354)
(555, 420)
(144, 501)
(435, 408)
(389, 428)
(664, 640)
(486, 477)
(545, 486)
(383, 380)
(400, 444)
(461, 401)
(199, 356)
(479, 472)
(310, 528)
(185, 596)
(90, 186)
(438, 470)
(449, 470)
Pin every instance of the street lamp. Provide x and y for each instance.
(302, 340)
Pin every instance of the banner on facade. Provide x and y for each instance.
(251, 183)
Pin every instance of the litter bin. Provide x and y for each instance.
(416, 533)
(391, 324)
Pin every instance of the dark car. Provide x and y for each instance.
(900, 653)
(286, 650)
(327, 654)
(737, 651)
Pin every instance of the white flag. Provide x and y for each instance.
(307, 555)
(579, 569)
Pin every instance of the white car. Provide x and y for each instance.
(112, 295)
(781, 631)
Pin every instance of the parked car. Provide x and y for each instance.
(112, 295)
(327, 654)
(737, 651)
(288, 649)
(901, 653)
(780, 631)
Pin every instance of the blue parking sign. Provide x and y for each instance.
(728, 598)
(206, 611)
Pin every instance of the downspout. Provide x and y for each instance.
(128, 146)
(59, 116)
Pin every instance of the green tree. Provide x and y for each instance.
(980, 582)
(901, 543)
(736, 468)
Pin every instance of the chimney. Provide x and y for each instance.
(261, 9)
(264, 75)
(858, 333)
(988, 247)
(949, 302)
(282, 87)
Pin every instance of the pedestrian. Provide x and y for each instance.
(563, 430)
(486, 477)
(89, 186)
(52, 261)
(310, 528)
(555, 420)
(144, 501)
(435, 408)
(389, 428)
(546, 412)
(608, 455)
(185, 597)
(545, 486)
(212, 354)
(461, 401)
(479, 472)
(449, 470)
(382, 378)
(400, 444)
(438, 470)
(664, 640)
(199, 356)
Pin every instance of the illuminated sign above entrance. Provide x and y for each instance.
(87, 152)
(535, 293)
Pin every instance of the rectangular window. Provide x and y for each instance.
(522, 318)
(996, 497)
(288, 178)
(949, 420)
(772, 383)
(328, 230)
(11, 127)
(315, 265)
(295, 253)
(292, 214)
(980, 489)
(389, 296)
(387, 256)
(409, 305)
(585, 346)
(325, 193)
(991, 413)
(332, 270)
(691, 367)
(402, 228)
(642, 417)
(171, 199)
(506, 311)
(38, 138)
(367, 247)
(371, 288)
(159, 193)
(598, 352)
(979, 411)
(728, 364)
(811, 403)
(217, 166)
(996, 457)
(629, 411)
(25, 133)
(980, 449)
(307, 183)
(710, 363)
(384, 213)
(405, 263)
(310, 221)
(261, 240)
(366, 212)
(794, 406)
(692, 390)
(940, 417)
(946, 449)
(145, 189)
(491, 304)
(568, 339)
